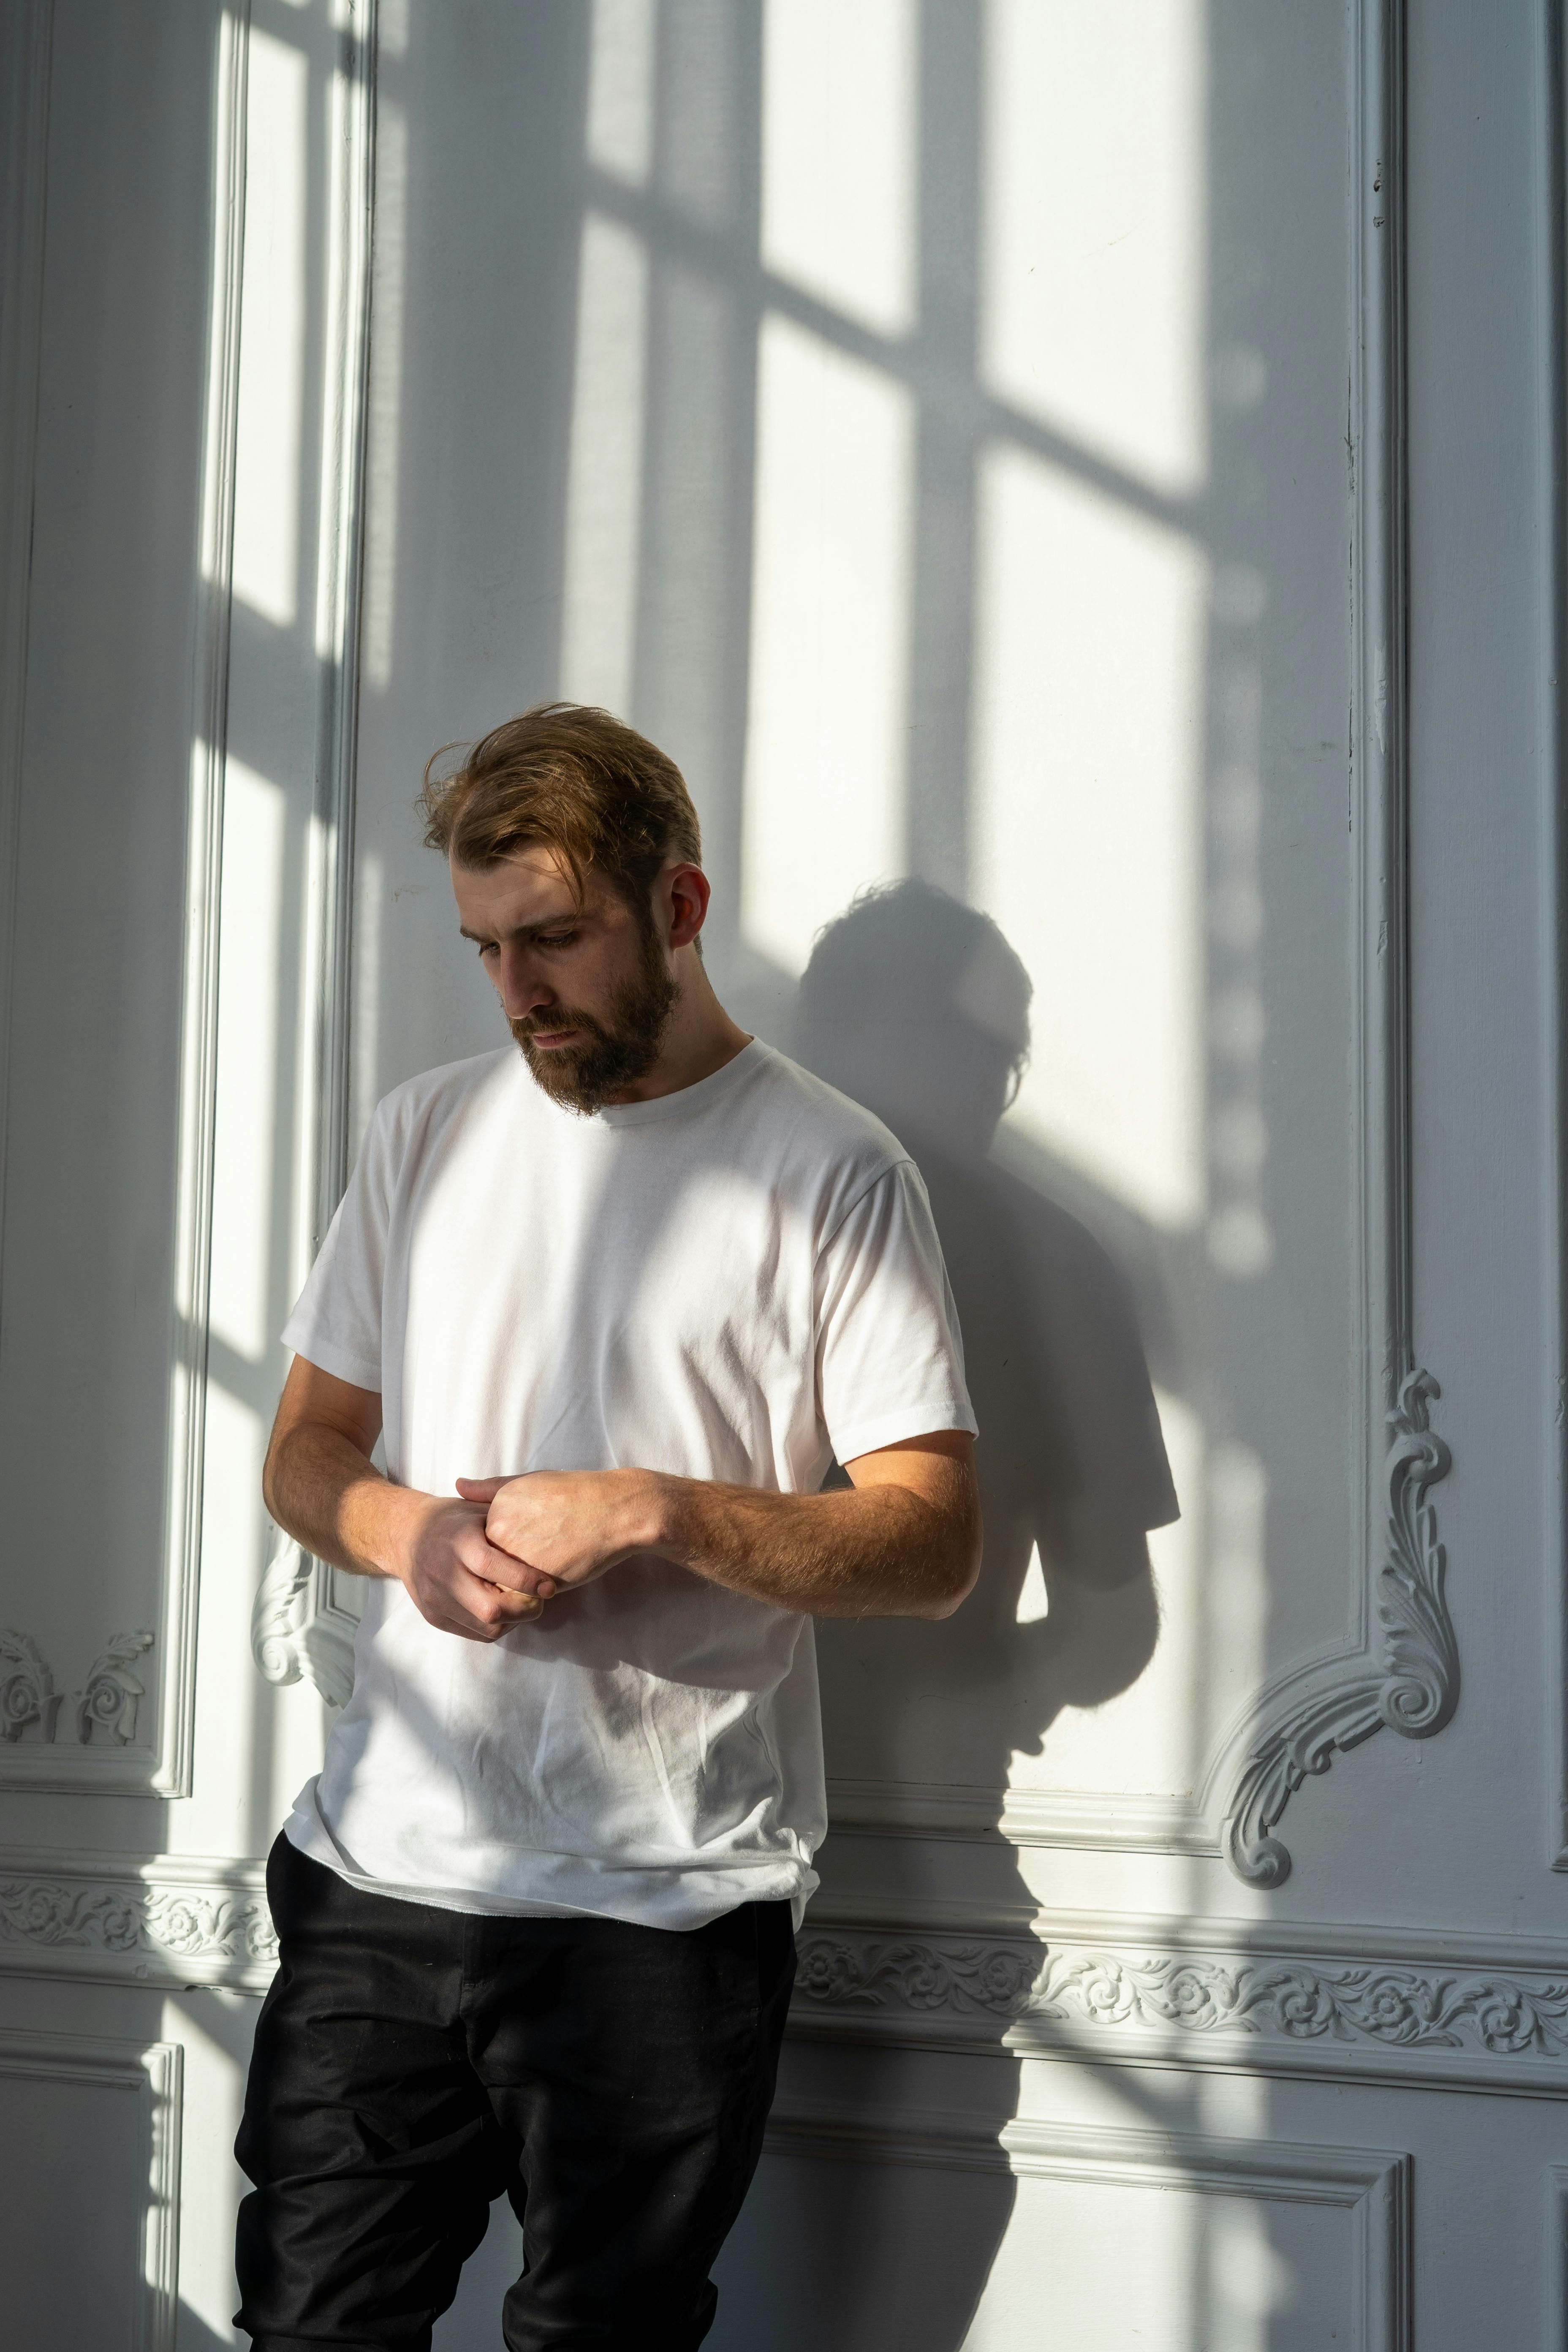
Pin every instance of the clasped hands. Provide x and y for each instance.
(490, 1559)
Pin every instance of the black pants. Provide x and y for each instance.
(411, 2064)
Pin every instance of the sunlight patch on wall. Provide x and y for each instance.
(604, 491)
(1236, 1588)
(245, 1121)
(272, 333)
(1093, 299)
(1034, 1601)
(622, 59)
(1142, 1739)
(1055, 2256)
(824, 803)
(1086, 824)
(839, 88)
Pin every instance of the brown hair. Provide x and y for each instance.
(571, 779)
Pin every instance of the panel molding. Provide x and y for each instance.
(135, 1760)
(1372, 2185)
(1434, 2011)
(153, 2072)
(1399, 1669)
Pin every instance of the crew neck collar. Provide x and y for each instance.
(685, 1101)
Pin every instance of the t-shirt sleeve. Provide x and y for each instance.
(336, 1321)
(889, 1360)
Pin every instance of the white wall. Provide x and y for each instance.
(974, 440)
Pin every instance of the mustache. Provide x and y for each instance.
(535, 1024)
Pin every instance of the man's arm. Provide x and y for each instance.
(902, 1541)
(321, 1488)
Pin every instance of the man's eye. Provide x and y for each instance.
(554, 939)
(487, 947)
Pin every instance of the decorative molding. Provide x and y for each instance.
(109, 1699)
(27, 1693)
(166, 1920)
(1372, 2185)
(1415, 1692)
(1201, 1995)
(297, 1630)
(112, 1694)
(152, 2071)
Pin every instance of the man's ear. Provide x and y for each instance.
(688, 892)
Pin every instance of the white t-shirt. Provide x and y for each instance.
(738, 1281)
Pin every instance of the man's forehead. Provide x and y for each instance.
(530, 885)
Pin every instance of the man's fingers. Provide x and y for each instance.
(491, 1603)
(484, 1559)
(481, 1490)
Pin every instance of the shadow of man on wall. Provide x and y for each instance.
(917, 1006)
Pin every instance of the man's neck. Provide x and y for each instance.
(700, 1038)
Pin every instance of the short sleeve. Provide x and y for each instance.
(890, 1359)
(336, 1321)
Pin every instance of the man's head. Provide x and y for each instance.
(575, 853)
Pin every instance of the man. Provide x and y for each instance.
(615, 1301)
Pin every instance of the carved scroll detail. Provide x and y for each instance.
(27, 1693)
(108, 1700)
(292, 1637)
(128, 1921)
(112, 1694)
(1417, 1688)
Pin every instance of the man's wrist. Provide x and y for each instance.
(402, 1512)
(659, 1513)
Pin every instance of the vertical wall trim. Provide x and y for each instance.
(1551, 194)
(26, 36)
(203, 885)
(1555, 2337)
(1405, 1676)
(296, 1629)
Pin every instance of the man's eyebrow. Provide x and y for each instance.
(522, 931)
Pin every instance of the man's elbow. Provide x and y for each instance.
(958, 1576)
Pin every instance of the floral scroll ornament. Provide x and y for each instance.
(112, 1695)
(27, 1693)
(1415, 1687)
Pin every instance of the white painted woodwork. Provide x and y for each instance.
(1098, 462)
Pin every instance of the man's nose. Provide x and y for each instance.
(521, 982)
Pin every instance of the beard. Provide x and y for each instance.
(611, 1054)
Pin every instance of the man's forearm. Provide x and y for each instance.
(322, 1490)
(877, 1551)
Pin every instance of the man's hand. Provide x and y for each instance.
(320, 1485)
(459, 1581)
(566, 1525)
